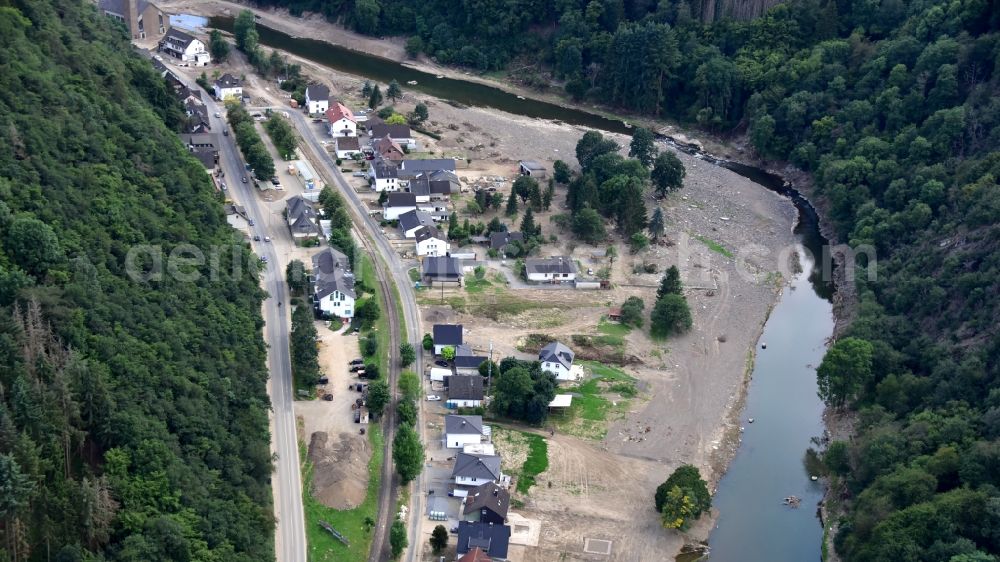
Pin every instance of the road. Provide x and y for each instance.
(312, 134)
(290, 534)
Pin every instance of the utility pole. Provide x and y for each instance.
(489, 370)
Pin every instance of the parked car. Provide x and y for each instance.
(263, 259)
(357, 361)
(244, 179)
(256, 237)
(328, 397)
(267, 239)
(442, 364)
(433, 398)
(222, 186)
(217, 114)
(250, 222)
(323, 380)
(357, 367)
(225, 132)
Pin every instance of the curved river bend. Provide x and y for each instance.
(754, 525)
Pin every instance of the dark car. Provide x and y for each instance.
(328, 397)
(442, 364)
(244, 180)
(323, 380)
(256, 238)
(356, 362)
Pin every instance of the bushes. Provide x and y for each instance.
(282, 135)
(249, 141)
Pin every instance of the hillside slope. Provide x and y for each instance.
(133, 414)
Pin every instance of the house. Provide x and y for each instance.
(460, 431)
(341, 121)
(442, 270)
(475, 470)
(140, 17)
(558, 269)
(317, 99)
(383, 175)
(237, 218)
(475, 555)
(500, 240)
(228, 87)
(333, 284)
(465, 391)
(412, 221)
(466, 361)
(557, 359)
(494, 540)
(203, 147)
(399, 133)
(446, 335)
(487, 504)
(197, 116)
(187, 48)
(388, 149)
(397, 204)
(427, 190)
(430, 242)
(615, 314)
(347, 147)
(301, 217)
(532, 168)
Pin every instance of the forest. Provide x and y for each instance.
(133, 412)
(892, 108)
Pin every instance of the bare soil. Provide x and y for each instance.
(340, 469)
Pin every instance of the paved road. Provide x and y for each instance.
(312, 134)
(290, 535)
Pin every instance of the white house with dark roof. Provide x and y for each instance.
(412, 221)
(487, 503)
(475, 470)
(347, 147)
(532, 168)
(397, 204)
(430, 242)
(446, 335)
(228, 86)
(383, 175)
(341, 121)
(465, 391)
(399, 133)
(466, 361)
(185, 47)
(301, 217)
(440, 269)
(559, 269)
(333, 284)
(317, 98)
(460, 431)
(557, 359)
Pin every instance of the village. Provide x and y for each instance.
(625, 408)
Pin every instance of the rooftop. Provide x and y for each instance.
(469, 387)
(228, 81)
(442, 268)
(317, 92)
(488, 496)
(339, 111)
(412, 219)
(447, 334)
(557, 264)
(464, 425)
(493, 539)
(556, 352)
(401, 199)
(476, 466)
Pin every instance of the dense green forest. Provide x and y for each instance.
(133, 414)
(892, 106)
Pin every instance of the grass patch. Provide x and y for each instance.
(475, 285)
(414, 274)
(587, 417)
(609, 328)
(714, 246)
(537, 462)
(495, 305)
(351, 522)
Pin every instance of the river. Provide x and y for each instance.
(754, 525)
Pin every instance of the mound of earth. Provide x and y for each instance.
(340, 469)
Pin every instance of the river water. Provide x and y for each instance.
(754, 525)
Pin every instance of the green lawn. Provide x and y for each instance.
(350, 523)
(476, 285)
(714, 246)
(592, 404)
(414, 274)
(610, 328)
(536, 463)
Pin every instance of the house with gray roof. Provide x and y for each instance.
(317, 98)
(333, 284)
(460, 431)
(465, 391)
(397, 204)
(203, 146)
(500, 240)
(558, 269)
(494, 540)
(383, 175)
(446, 270)
(188, 48)
(476, 470)
(301, 218)
(411, 221)
(488, 503)
(557, 359)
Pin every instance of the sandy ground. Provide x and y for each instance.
(692, 386)
(337, 449)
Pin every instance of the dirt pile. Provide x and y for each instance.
(340, 469)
